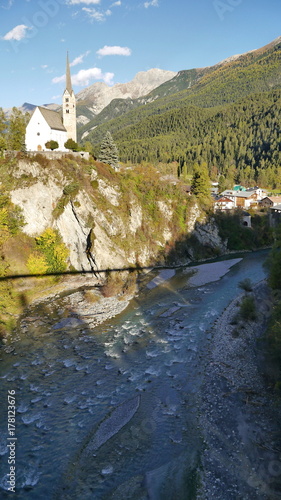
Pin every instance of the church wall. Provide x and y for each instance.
(38, 132)
(60, 137)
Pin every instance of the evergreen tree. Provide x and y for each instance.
(108, 152)
(16, 130)
(3, 121)
(200, 185)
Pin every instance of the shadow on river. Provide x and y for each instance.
(112, 412)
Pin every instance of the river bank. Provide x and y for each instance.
(239, 414)
(78, 301)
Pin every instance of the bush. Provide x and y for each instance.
(274, 265)
(52, 145)
(53, 250)
(119, 283)
(71, 189)
(36, 264)
(248, 309)
(113, 285)
(274, 332)
(246, 285)
(71, 144)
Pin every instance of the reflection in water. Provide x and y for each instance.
(132, 383)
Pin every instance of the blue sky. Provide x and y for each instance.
(112, 40)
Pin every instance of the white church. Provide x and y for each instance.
(47, 125)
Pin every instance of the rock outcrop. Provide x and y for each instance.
(123, 229)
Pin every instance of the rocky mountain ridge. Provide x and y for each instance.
(99, 95)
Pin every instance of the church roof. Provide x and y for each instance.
(53, 118)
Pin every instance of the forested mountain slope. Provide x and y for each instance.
(227, 82)
(240, 141)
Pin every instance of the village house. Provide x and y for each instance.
(244, 198)
(270, 201)
(224, 203)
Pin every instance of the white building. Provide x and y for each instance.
(224, 203)
(46, 125)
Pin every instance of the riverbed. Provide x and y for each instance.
(113, 411)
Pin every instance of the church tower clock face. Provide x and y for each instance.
(69, 106)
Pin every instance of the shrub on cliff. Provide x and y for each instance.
(53, 250)
(36, 264)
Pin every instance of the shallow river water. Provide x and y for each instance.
(112, 412)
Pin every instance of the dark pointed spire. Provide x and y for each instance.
(68, 85)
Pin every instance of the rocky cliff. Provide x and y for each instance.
(130, 217)
(69, 214)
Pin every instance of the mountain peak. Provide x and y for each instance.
(99, 95)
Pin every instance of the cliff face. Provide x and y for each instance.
(72, 214)
(122, 218)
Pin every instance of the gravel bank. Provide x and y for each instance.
(76, 303)
(239, 413)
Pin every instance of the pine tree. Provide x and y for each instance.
(108, 152)
(200, 185)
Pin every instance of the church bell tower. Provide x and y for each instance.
(69, 106)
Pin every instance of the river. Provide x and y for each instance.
(112, 412)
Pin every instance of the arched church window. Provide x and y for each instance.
(67, 110)
(66, 100)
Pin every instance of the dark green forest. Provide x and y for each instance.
(226, 116)
(240, 142)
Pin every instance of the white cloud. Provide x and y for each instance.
(85, 76)
(87, 2)
(44, 66)
(153, 3)
(17, 33)
(79, 59)
(116, 4)
(96, 15)
(114, 51)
